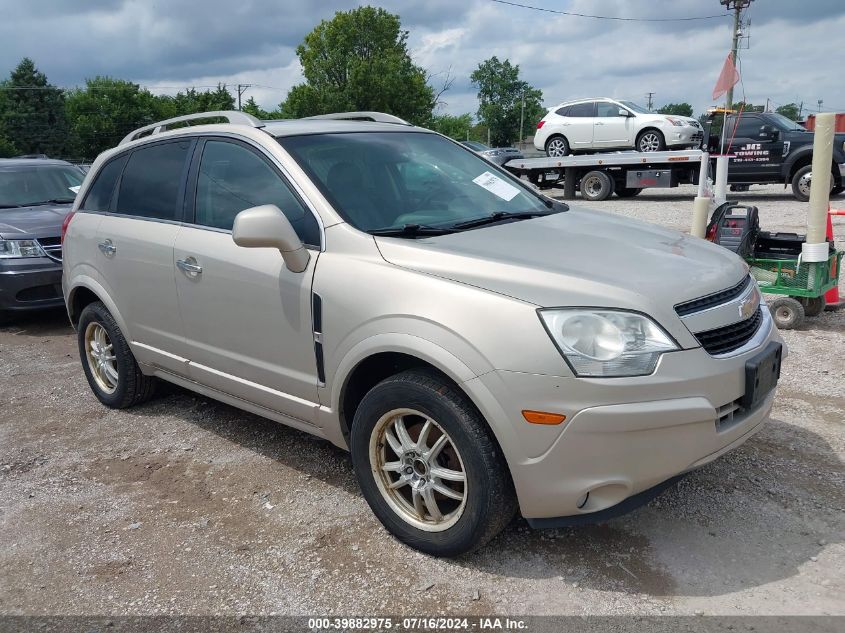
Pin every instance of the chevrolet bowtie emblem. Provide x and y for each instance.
(748, 306)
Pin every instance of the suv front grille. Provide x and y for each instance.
(726, 339)
(710, 301)
(52, 246)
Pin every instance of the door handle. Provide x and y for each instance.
(598, 123)
(189, 265)
(107, 247)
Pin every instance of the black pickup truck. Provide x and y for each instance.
(769, 148)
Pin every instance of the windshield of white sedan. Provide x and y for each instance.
(32, 185)
(635, 107)
(410, 183)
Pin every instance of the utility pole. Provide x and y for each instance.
(650, 100)
(820, 102)
(737, 6)
(800, 109)
(242, 89)
(522, 115)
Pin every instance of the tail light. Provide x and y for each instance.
(65, 224)
(540, 124)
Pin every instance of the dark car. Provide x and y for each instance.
(769, 148)
(497, 155)
(35, 197)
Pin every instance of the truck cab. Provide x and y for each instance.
(767, 147)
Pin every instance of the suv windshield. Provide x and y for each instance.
(385, 180)
(636, 108)
(28, 185)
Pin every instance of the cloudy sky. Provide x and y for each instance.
(168, 45)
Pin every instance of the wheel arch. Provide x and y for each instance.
(381, 356)
(555, 135)
(649, 128)
(87, 291)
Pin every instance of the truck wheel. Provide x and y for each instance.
(628, 192)
(802, 180)
(837, 190)
(813, 306)
(108, 363)
(596, 185)
(787, 312)
(428, 465)
(651, 141)
(557, 146)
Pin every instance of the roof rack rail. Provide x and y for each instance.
(376, 117)
(231, 116)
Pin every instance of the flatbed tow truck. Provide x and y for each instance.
(626, 174)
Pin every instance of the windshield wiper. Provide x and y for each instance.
(410, 230)
(51, 201)
(498, 216)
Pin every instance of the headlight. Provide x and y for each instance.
(14, 249)
(607, 343)
(676, 122)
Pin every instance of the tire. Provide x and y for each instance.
(596, 186)
(802, 181)
(651, 141)
(557, 146)
(813, 306)
(487, 499)
(837, 190)
(787, 312)
(118, 383)
(628, 192)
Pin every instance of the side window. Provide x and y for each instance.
(564, 111)
(583, 109)
(151, 181)
(605, 109)
(233, 178)
(100, 194)
(749, 127)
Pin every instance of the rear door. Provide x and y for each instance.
(247, 317)
(579, 125)
(610, 129)
(135, 250)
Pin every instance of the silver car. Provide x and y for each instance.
(479, 348)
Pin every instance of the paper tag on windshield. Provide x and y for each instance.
(496, 186)
(75, 189)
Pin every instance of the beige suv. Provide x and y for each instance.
(479, 348)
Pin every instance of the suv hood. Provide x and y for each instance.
(577, 258)
(39, 221)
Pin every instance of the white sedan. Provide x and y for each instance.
(607, 124)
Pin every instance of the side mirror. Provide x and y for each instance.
(266, 226)
(623, 112)
(767, 132)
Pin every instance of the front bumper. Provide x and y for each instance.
(684, 136)
(30, 284)
(622, 436)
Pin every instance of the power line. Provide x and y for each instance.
(608, 17)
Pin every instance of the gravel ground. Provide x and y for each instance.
(188, 506)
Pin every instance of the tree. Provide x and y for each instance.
(789, 110)
(500, 98)
(192, 101)
(32, 112)
(678, 109)
(7, 149)
(456, 127)
(107, 109)
(251, 107)
(747, 107)
(359, 60)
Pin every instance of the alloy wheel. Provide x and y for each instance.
(418, 470)
(101, 357)
(649, 142)
(557, 147)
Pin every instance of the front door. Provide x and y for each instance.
(135, 250)
(247, 317)
(610, 129)
(757, 150)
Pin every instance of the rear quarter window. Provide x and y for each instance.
(100, 194)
